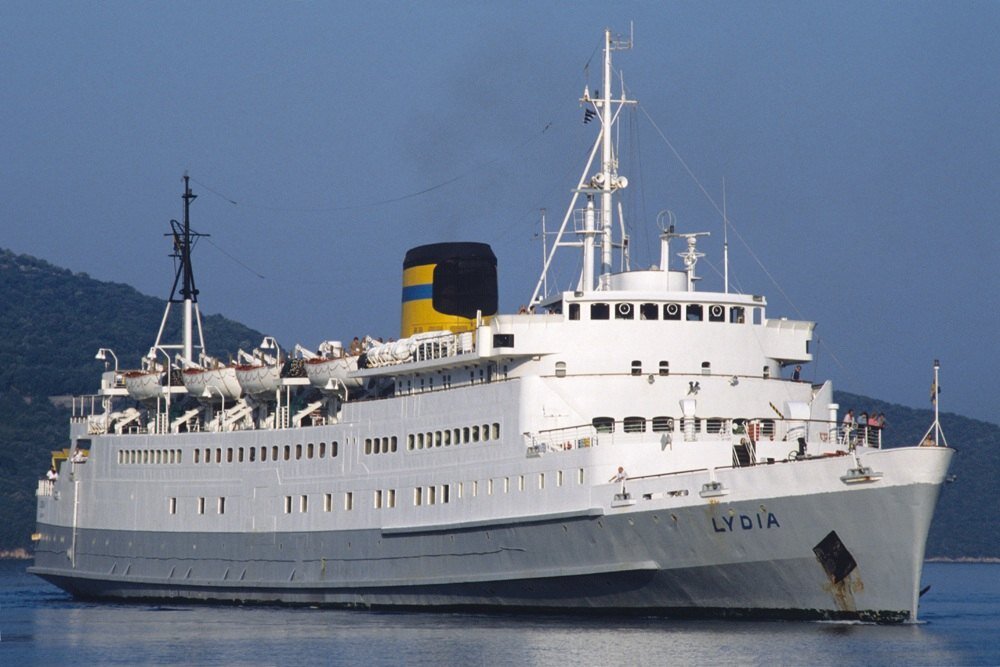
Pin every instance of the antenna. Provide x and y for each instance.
(725, 238)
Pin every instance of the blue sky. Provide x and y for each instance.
(858, 141)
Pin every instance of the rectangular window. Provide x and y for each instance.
(222, 505)
(229, 455)
(489, 487)
(431, 495)
(600, 311)
(541, 480)
(327, 502)
(649, 311)
(201, 506)
(239, 455)
(559, 478)
(253, 454)
(574, 311)
(288, 504)
(579, 476)
(333, 449)
(445, 493)
(303, 503)
(197, 456)
(322, 450)
(390, 500)
(172, 505)
(496, 430)
(349, 500)
(475, 488)
(520, 482)
(378, 499)
(418, 496)
(506, 484)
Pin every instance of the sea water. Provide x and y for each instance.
(39, 624)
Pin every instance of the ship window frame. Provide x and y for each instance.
(288, 504)
(694, 312)
(201, 505)
(172, 505)
(603, 424)
(573, 311)
(715, 425)
(737, 315)
(662, 424)
(348, 500)
(221, 505)
(716, 313)
(636, 368)
(600, 311)
(624, 311)
(649, 311)
(327, 502)
(672, 316)
(634, 424)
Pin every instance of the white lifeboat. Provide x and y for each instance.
(222, 380)
(260, 381)
(144, 385)
(322, 371)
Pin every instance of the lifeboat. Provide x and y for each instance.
(222, 380)
(321, 371)
(144, 385)
(260, 381)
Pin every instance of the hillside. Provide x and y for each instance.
(54, 321)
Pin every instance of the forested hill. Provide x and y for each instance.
(52, 322)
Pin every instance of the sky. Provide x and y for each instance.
(857, 144)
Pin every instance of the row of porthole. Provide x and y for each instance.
(454, 436)
(664, 424)
(692, 312)
(386, 498)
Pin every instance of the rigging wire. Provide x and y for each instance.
(746, 245)
(392, 200)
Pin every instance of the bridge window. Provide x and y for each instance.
(695, 312)
(716, 313)
(600, 311)
(649, 311)
(574, 311)
(624, 311)
(672, 311)
(737, 315)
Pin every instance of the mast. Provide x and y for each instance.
(184, 291)
(593, 223)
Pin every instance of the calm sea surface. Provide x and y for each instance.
(41, 625)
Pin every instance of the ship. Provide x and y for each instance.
(633, 444)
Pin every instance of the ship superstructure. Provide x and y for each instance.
(628, 445)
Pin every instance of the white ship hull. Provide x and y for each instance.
(729, 558)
